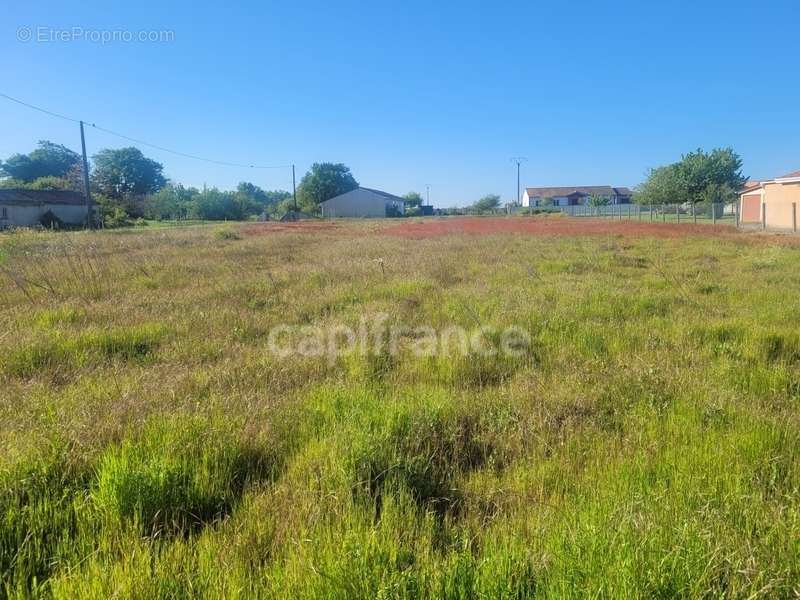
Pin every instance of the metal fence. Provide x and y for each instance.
(701, 213)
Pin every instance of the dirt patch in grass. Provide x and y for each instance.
(553, 226)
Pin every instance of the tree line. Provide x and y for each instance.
(127, 186)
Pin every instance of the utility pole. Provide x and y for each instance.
(518, 160)
(294, 190)
(86, 191)
(427, 194)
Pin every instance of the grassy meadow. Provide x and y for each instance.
(647, 444)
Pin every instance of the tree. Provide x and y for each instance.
(488, 203)
(216, 205)
(252, 200)
(597, 200)
(41, 183)
(126, 172)
(664, 185)
(48, 160)
(279, 202)
(276, 196)
(249, 199)
(413, 199)
(252, 192)
(173, 201)
(707, 175)
(323, 182)
(697, 177)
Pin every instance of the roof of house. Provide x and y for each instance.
(37, 197)
(750, 185)
(589, 190)
(385, 195)
(754, 185)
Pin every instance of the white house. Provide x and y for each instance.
(25, 208)
(363, 202)
(574, 195)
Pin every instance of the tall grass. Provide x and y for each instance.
(646, 445)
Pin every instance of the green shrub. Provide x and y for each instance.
(226, 235)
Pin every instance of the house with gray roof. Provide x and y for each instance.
(574, 195)
(363, 203)
(27, 208)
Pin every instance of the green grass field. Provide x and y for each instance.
(647, 443)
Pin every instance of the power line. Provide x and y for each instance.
(45, 111)
(142, 142)
(192, 156)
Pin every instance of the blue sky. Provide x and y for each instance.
(414, 93)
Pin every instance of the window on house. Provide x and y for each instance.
(3, 213)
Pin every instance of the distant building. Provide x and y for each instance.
(426, 210)
(363, 202)
(26, 208)
(574, 195)
(775, 201)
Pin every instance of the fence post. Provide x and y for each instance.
(664, 213)
(694, 214)
(763, 215)
(736, 212)
(639, 212)
(651, 211)
(678, 212)
(794, 217)
(714, 213)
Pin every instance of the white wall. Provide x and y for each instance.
(527, 201)
(25, 216)
(356, 203)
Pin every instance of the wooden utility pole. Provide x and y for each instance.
(294, 190)
(86, 191)
(518, 160)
